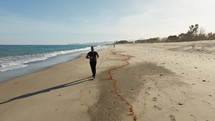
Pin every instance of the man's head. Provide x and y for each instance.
(92, 48)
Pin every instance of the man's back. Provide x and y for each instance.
(92, 55)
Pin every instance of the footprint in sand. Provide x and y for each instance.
(193, 116)
(157, 107)
(147, 93)
(155, 98)
(180, 103)
(172, 117)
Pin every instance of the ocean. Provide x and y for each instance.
(17, 60)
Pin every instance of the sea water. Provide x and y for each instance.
(17, 60)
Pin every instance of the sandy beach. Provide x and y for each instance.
(134, 82)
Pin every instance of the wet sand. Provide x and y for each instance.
(135, 82)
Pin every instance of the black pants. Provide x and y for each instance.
(93, 67)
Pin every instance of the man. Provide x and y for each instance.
(92, 55)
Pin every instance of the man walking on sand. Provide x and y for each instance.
(93, 55)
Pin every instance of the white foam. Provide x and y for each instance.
(16, 62)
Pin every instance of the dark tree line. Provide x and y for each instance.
(194, 33)
(122, 42)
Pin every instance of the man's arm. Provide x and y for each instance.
(97, 55)
(87, 56)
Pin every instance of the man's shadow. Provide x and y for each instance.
(48, 89)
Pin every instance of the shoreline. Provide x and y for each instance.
(29, 69)
(38, 70)
(162, 81)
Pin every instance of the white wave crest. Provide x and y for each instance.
(16, 62)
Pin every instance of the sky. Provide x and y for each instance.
(80, 21)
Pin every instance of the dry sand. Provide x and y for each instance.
(135, 82)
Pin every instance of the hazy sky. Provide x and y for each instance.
(77, 21)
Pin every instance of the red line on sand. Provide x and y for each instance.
(130, 107)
